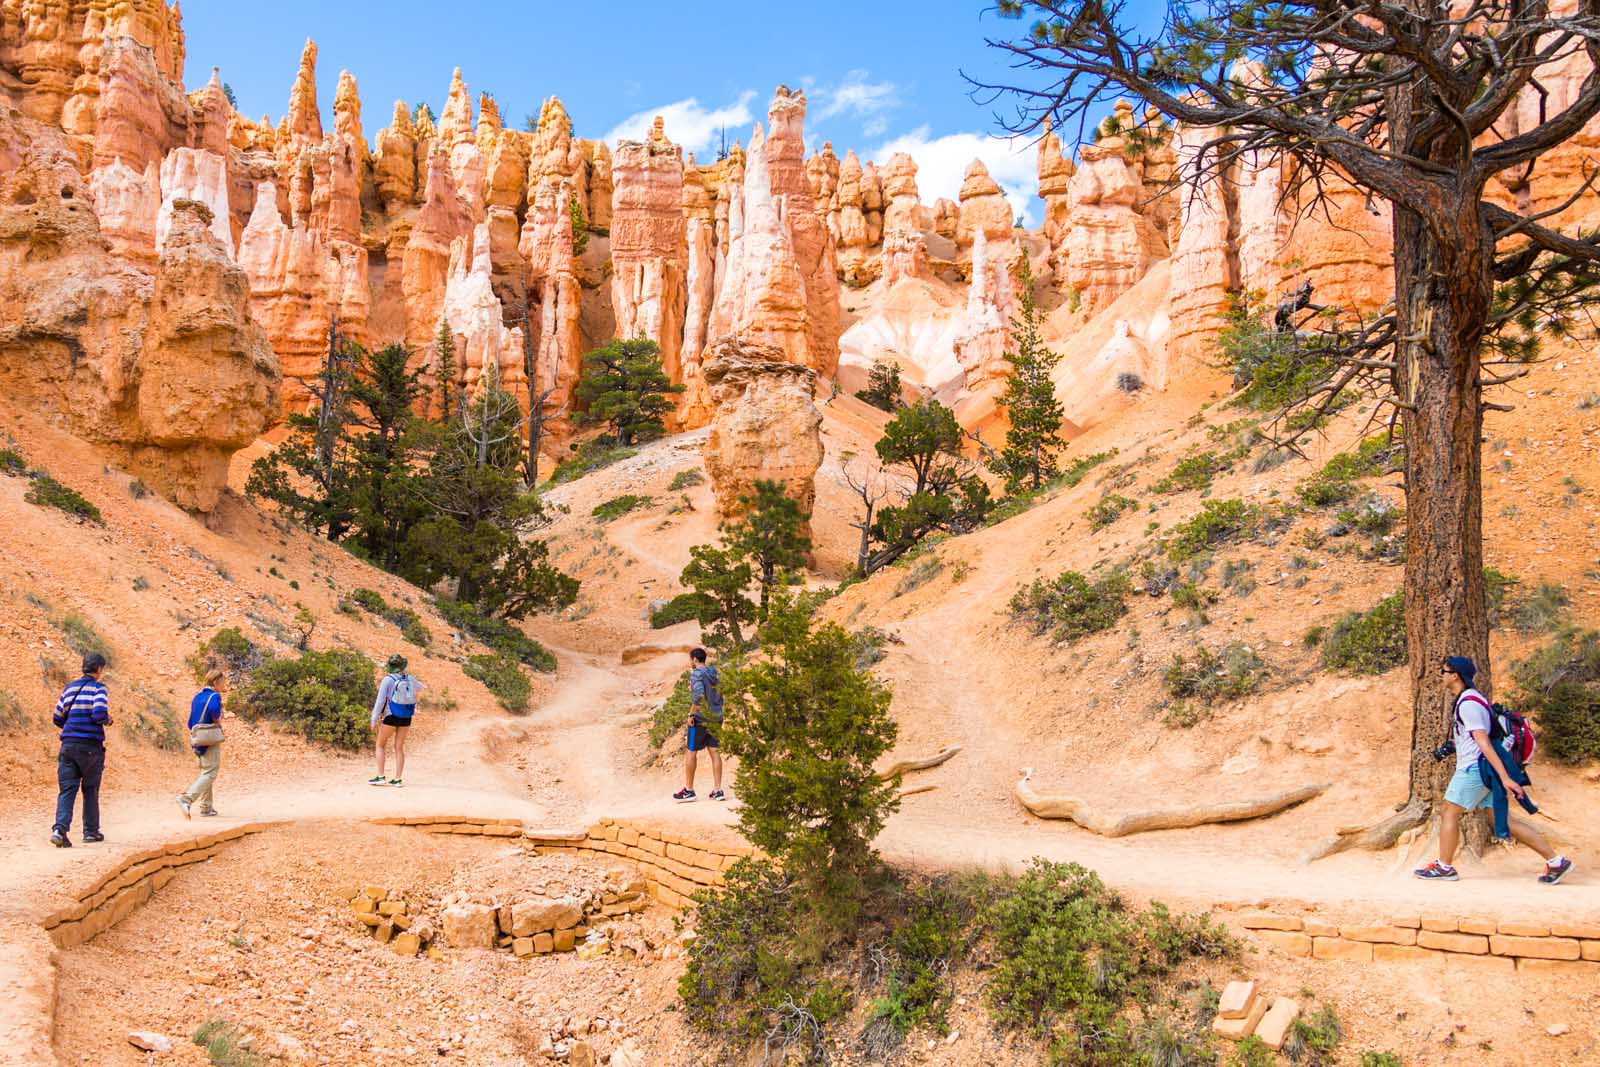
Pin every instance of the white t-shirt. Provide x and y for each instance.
(1470, 715)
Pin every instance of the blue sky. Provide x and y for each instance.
(878, 77)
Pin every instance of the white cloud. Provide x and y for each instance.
(941, 161)
(690, 124)
(854, 95)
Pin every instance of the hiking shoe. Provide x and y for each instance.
(683, 796)
(97, 837)
(1554, 872)
(183, 802)
(395, 782)
(716, 794)
(59, 839)
(1437, 872)
(212, 814)
(377, 779)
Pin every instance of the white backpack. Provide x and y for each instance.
(405, 691)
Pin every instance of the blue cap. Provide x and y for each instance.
(1462, 666)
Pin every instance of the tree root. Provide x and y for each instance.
(906, 766)
(914, 790)
(1379, 836)
(1057, 806)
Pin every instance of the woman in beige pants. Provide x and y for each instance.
(206, 707)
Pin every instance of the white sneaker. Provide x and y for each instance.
(183, 802)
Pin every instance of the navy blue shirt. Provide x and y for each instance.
(205, 707)
(82, 712)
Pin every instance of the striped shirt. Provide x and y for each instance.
(82, 712)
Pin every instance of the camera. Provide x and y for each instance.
(1444, 751)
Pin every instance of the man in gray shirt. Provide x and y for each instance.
(705, 719)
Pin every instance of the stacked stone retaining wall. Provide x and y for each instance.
(1459, 941)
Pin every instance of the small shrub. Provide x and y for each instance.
(673, 714)
(924, 570)
(1312, 1041)
(1107, 510)
(1078, 469)
(1233, 672)
(225, 1045)
(619, 506)
(1252, 1052)
(743, 968)
(1368, 642)
(1236, 577)
(1313, 637)
(12, 716)
(81, 637)
(1069, 954)
(1374, 516)
(412, 628)
(503, 677)
(1071, 606)
(46, 492)
(685, 479)
(236, 651)
(1496, 585)
(1380, 1059)
(682, 608)
(369, 600)
(137, 489)
(1155, 579)
(1195, 597)
(155, 724)
(870, 642)
(1542, 610)
(498, 634)
(12, 462)
(1195, 472)
(1218, 522)
(1560, 686)
(324, 696)
(587, 458)
(1129, 382)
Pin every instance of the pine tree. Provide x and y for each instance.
(883, 386)
(444, 370)
(624, 388)
(311, 476)
(580, 225)
(720, 576)
(1033, 440)
(771, 536)
(808, 726)
(384, 391)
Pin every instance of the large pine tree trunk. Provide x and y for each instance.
(1443, 290)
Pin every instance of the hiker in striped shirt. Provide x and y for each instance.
(83, 715)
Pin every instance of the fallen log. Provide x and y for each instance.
(1107, 824)
(906, 766)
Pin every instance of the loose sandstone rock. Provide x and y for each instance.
(150, 1041)
(468, 926)
(1275, 1024)
(1237, 999)
(531, 917)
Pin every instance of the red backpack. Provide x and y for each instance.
(1509, 729)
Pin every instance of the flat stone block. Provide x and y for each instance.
(1336, 948)
(1274, 1028)
(1525, 929)
(1242, 1027)
(1388, 935)
(1289, 942)
(1575, 929)
(1471, 944)
(1543, 948)
(1237, 999)
(1442, 924)
(1477, 924)
(1404, 954)
(1494, 965)
(1262, 920)
(1526, 965)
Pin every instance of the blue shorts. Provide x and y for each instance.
(1466, 789)
(700, 737)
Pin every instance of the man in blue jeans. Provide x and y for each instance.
(1466, 791)
(82, 715)
(705, 718)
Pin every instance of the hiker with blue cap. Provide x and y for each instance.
(1471, 742)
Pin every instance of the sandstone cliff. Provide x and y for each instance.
(765, 427)
(162, 367)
